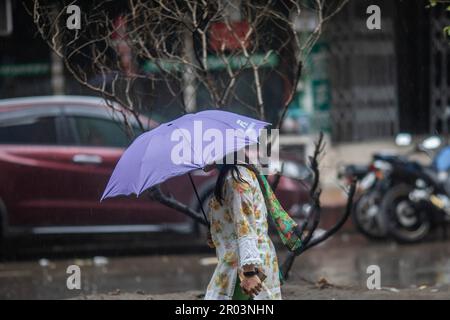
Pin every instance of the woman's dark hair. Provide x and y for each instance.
(236, 175)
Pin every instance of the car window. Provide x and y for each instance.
(30, 130)
(100, 132)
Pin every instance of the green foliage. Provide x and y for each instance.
(447, 31)
(434, 3)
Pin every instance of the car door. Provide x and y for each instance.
(96, 145)
(31, 158)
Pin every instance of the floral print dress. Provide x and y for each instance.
(239, 231)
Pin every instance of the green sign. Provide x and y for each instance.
(216, 63)
(24, 70)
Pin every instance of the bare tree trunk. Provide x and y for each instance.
(189, 79)
(57, 70)
(57, 66)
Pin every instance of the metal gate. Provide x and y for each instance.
(363, 74)
(440, 72)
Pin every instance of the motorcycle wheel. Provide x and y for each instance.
(365, 217)
(407, 221)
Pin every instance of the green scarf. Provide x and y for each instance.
(285, 225)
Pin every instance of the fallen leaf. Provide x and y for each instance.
(323, 283)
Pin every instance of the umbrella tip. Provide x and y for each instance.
(104, 196)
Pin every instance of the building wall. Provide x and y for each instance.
(24, 58)
(412, 27)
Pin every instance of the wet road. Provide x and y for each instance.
(343, 260)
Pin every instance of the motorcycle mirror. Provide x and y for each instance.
(403, 139)
(432, 143)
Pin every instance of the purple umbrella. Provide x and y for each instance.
(180, 146)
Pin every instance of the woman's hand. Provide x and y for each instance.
(251, 285)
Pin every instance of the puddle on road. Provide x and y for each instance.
(402, 266)
(46, 279)
(341, 262)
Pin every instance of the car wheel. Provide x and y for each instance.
(407, 221)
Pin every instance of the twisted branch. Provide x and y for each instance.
(313, 218)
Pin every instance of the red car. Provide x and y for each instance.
(56, 156)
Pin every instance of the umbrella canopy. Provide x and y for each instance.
(180, 146)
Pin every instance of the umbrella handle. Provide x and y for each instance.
(198, 198)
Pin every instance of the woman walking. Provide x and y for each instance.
(247, 262)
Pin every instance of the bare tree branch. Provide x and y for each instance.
(133, 52)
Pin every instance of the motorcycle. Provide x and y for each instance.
(383, 207)
(415, 205)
